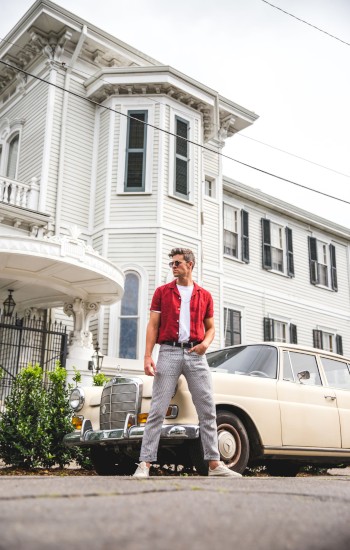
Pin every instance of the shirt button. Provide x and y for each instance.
(177, 321)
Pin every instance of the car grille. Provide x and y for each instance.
(119, 397)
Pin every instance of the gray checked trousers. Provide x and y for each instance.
(173, 362)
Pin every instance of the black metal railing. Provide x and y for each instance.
(25, 340)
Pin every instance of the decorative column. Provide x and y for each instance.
(80, 339)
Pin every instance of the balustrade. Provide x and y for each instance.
(16, 193)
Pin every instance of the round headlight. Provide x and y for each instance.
(76, 399)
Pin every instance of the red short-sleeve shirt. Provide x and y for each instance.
(167, 301)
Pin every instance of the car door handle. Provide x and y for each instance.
(331, 397)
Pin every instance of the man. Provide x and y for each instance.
(181, 321)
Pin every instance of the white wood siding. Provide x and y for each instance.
(212, 212)
(181, 215)
(32, 109)
(212, 284)
(52, 176)
(211, 161)
(78, 151)
(134, 249)
(102, 167)
(264, 293)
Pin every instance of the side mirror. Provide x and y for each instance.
(303, 375)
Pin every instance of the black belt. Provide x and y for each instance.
(181, 344)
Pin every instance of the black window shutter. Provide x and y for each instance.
(317, 336)
(245, 236)
(339, 344)
(290, 256)
(181, 158)
(293, 334)
(136, 151)
(334, 278)
(313, 260)
(266, 244)
(269, 335)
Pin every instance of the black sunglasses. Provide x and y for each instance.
(175, 264)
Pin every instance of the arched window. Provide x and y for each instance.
(12, 158)
(129, 317)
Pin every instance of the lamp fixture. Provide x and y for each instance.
(9, 305)
(97, 360)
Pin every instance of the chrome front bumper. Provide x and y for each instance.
(88, 437)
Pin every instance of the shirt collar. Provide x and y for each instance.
(173, 284)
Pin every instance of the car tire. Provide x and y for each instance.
(108, 463)
(282, 468)
(233, 445)
(233, 441)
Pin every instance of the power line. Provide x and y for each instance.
(293, 155)
(306, 23)
(75, 94)
(216, 126)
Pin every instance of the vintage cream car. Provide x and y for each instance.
(277, 404)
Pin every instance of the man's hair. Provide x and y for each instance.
(186, 253)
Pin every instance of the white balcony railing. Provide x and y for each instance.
(16, 193)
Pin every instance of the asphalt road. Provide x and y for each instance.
(167, 513)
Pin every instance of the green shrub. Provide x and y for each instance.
(35, 420)
(100, 379)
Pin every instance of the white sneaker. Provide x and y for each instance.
(223, 471)
(142, 471)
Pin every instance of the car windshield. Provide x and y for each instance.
(248, 360)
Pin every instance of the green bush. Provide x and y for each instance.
(35, 420)
(100, 379)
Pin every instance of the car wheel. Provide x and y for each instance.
(108, 463)
(233, 445)
(282, 468)
(233, 441)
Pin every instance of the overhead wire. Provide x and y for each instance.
(211, 150)
(306, 22)
(294, 155)
(215, 125)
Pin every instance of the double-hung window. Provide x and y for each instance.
(135, 171)
(276, 330)
(236, 233)
(9, 157)
(232, 327)
(323, 265)
(181, 184)
(209, 187)
(12, 160)
(230, 231)
(328, 340)
(129, 317)
(277, 248)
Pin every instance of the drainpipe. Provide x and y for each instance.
(63, 129)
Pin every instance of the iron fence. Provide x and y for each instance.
(25, 340)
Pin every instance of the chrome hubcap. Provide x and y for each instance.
(227, 445)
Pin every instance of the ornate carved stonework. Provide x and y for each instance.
(51, 45)
(81, 312)
(226, 127)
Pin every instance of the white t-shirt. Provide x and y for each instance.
(185, 316)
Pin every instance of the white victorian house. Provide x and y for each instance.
(108, 159)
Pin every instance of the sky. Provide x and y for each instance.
(295, 77)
